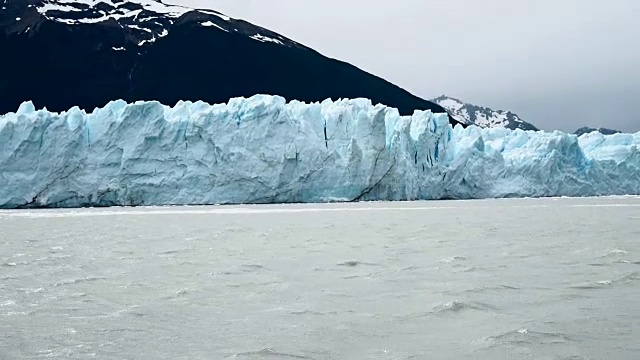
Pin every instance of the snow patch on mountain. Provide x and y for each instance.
(263, 38)
(209, 23)
(118, 9)
(482, 116)
(147, 20)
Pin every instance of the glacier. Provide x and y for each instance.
(265, 150)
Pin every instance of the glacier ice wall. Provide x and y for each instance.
(264, 150)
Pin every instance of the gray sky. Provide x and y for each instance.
(559, 64)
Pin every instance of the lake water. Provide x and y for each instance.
(494, 279)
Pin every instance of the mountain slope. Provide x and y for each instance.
(482, 116)
(85, 53)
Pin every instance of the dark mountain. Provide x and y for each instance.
(586, 130)
(64, 53)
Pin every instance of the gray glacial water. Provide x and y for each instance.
(494, 279)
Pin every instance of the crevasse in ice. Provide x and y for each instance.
(264, 150)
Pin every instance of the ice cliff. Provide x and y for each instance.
(264, 150)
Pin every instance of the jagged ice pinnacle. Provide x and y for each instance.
(263, 150)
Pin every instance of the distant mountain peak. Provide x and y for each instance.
(587, 130)
(482, 116)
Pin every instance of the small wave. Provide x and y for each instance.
(508, 287)
(7, 303)
(448, 308)
(251, 267)
(18, 313)
(592, 286)
(354, 263)
(459, 306)
(453, 306)
(339, 294)
(452, 259)
(130, 258)
(492, 288)
(117, 313)
(125, 252)
(173, 251)
(266, 354)
(598, 264)
(610, 262)
(178, 294)
(350, 263)
(355, 276)
(628, 278)
(410, 268)
(526, 336)
(52, 258)
(615, 252)
(138, 313)
(306, 312)
(31, 291)
(79, 280)
(12, 264)
(220, 273)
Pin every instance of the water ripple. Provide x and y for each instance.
(306, 312)
(625, 279)
(266, 354)
(526, 337)
(459, 306)
(491, 288)
(354, 263)
(79, 280)
(452, 259)
(615, 252)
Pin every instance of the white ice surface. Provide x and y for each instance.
(262, 150)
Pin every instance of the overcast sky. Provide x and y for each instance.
(559, 64)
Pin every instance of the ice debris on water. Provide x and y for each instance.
(264, 150)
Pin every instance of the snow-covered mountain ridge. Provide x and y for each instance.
(482, 116)
(144, 21)
(485, 117)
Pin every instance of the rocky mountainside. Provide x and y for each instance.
(482, 116)
(65, 53)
